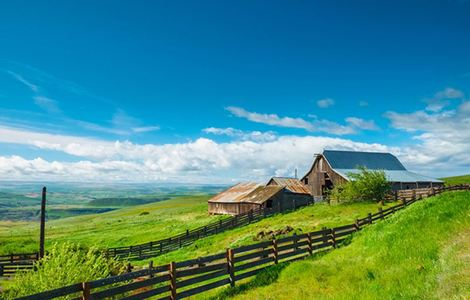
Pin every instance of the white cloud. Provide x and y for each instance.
(24, 81)
(324, 103)
(47, 104)
(201, 160)
(363, 103)
(244, 135)
(362, 124)
(271, 119)
(353, 124)
(443, 138)
(441, 99)
(145, 129)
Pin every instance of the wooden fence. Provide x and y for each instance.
(156, 248)
(10, 264)
(179, 280)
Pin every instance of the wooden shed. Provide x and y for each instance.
(279, 193)
(333, 166)
(243, 197)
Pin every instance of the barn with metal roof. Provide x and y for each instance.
(333, 167)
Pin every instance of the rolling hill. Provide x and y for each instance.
(418, 253)
(462, 179)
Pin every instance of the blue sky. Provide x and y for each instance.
(206, 91)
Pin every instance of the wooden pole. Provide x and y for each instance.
(276, 255)
(86, 294)
(309, 240)
(230, 266)
(172, 271)
(43, 223)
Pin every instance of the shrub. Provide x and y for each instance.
(65, 264)
(368, 185)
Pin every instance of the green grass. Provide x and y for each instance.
(303, 220)
(463, 179)
(418, 253)
(120, 227)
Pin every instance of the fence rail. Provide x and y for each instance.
(179, 280)
(156, 248)
(10, 264)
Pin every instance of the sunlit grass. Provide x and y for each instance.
(418, 253)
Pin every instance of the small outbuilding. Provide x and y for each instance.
(279, 194)
(333, 166)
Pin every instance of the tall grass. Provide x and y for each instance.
(65, 264)
(418, 253)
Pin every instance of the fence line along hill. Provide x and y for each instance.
(179, 280)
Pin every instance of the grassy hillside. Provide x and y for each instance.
(418, 253)
(303, 220)
(463, 179)
(125, 226)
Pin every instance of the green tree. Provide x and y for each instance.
(367, 185)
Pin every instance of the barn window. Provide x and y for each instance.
(269, 203)
(306, 180)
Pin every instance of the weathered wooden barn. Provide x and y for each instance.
(333, 166)
(279, 194)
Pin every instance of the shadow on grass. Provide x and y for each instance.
(264, 278)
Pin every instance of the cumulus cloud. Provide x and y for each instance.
(352, 127)
(442, 99)
(270, 119)
(244, 135)
(443, 138)
(201, 160)
(362, 124)
(324, 103)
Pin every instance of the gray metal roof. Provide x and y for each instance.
(393, 175)
(371, 160)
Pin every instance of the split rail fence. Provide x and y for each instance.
(179, 280)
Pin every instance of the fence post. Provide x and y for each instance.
(1, 271)
(333, 237)
(324, 235)
(129, 268)
(404, 201)
(86, 293)
(381, 213)
(230, 266)
(356, 225)
(309, 241)
(396, 195)
(161, 247)
(414, 195)
(172, 273)
(295, 242)
(369, 218)
(250, 216)
(151, 269)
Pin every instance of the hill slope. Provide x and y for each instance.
(305, 219)
(418, 253)
(120, 227)
(462, 179)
